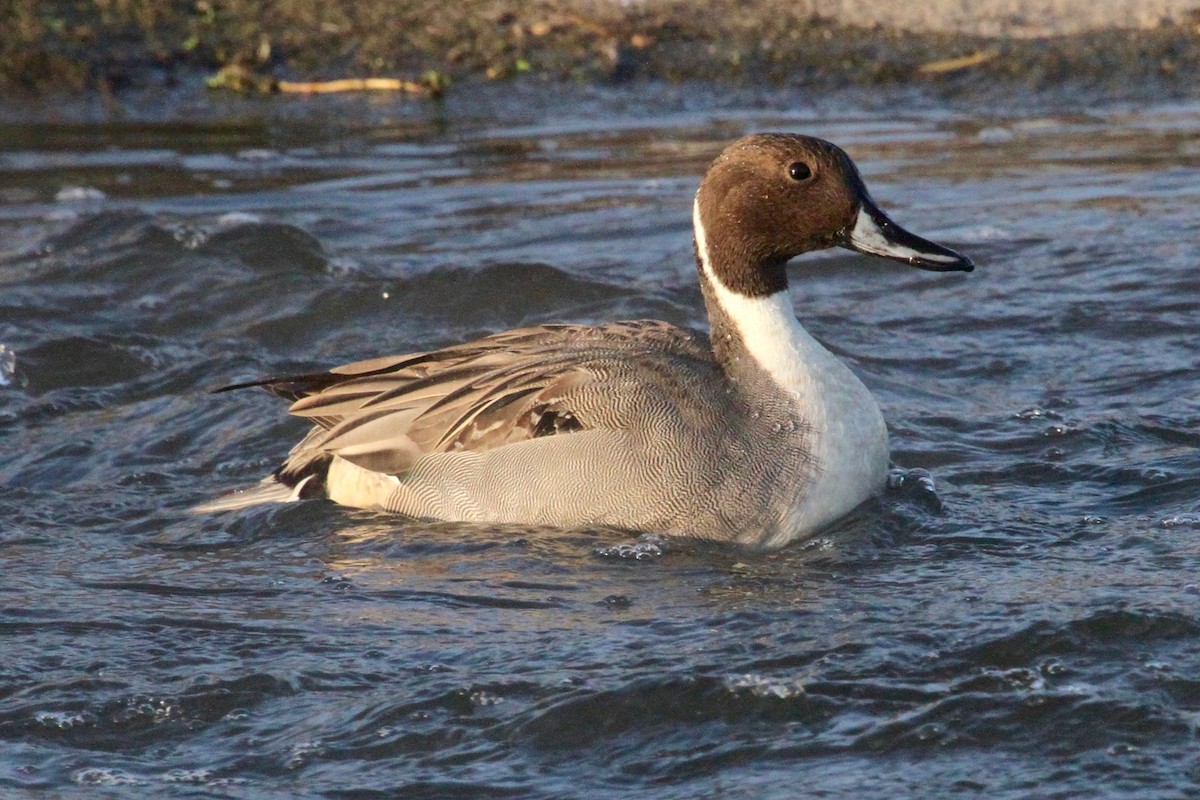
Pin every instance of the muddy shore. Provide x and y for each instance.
(1144, 49)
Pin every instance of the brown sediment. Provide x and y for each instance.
(109, 44)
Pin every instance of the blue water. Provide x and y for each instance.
(1029, 628)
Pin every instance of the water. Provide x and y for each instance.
(1029, 631)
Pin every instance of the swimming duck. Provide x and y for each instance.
(756, 434)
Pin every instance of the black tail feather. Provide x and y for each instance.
(290, 387)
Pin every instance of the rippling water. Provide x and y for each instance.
(1032, 630)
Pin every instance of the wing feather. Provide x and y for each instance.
(385, 413)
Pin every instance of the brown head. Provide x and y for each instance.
(771, 196)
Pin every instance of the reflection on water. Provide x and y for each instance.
(1042, 611)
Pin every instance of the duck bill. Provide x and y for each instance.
(874, 233)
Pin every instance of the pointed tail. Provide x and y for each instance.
(269, 490)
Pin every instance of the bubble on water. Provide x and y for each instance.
(1033, 412)
(648, 545)
(1054, 669)
(8, 365)
(482, 699)
(760, 686)
(1018, 678)
(1056, 431)
(338, 581)
(916, 485)
(156, 710)
(819, 543)
(189, 236)
(199, 775)
(342, 266)
(79, 194)
(904, 478)
(300, 753)
(931, 732)
(107, 776)
(432, 667)
(1177, 521)
(60, 719)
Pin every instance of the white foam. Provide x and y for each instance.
(107, 776)
(8, 365)
(235, 218)
(760, 686)
(79, 194)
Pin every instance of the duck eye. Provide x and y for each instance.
(799, 171)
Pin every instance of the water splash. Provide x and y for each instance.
(760, 686)
(8, 365)
(61, 719)
(191, 237)
(79, 194)
(1181, 521)
(916, 485)
(646, 546)
(107, 776)
(233, 219)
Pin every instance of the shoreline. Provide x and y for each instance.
(59, 49)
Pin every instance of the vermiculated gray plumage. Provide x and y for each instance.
(467, 429)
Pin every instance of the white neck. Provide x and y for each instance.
(848, 438)
(767, 325)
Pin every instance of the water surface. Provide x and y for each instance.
(1030, 631)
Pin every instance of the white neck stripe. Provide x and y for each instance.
(844, 431)
(767, 325)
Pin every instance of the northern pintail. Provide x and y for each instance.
(756, 435)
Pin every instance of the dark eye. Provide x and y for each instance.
(799, 171)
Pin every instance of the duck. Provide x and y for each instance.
(755, 434)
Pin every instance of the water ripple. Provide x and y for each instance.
(1024, 593)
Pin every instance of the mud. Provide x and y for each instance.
(1146, 49)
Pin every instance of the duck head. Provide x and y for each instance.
(770, 197)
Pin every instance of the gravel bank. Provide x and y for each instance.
(1147, 46)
